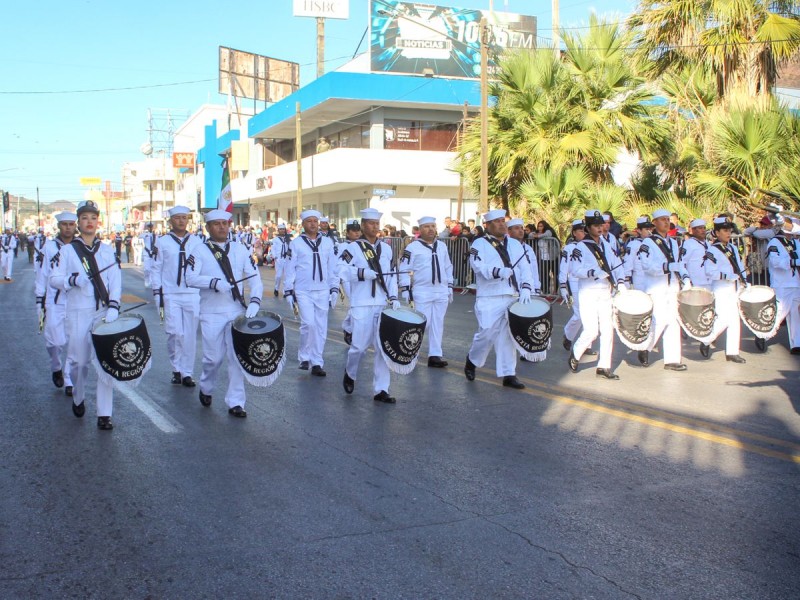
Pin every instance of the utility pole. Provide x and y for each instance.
(483, 204)
(38, 212)
(321, 46)
(556, 39)
(460, 175)
(298, 154)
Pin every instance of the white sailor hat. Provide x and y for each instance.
(426, 220)
(593, 217)
(217, 215)
(324, 219)
(371, 214)
(179, 210)
(281, 225)
(643, 222)
(87, 206)
(497, 213)
(66, 216)
(606, 218)
(577, 223)
(514, 222)
(722, 223)
(308, 214)
(697, 223)
(661, 212)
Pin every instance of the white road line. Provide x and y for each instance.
(159, 418)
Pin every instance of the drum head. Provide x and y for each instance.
(757, 294)
(537, 307)
(122, 324)
(633, 302)
(263, 322)
(696, 297)
(406, 315)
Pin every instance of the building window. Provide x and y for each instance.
(417, 135)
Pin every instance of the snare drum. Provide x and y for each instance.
(696, 313)
(400, 334)
(531, 326)
(259, 344)
(758, 308)
(122, 348)
(633, 318)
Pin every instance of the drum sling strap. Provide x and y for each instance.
(600, 256)
(89, 262)
(373, 258)
(728, 252)
(316, 261)
(502, 250)
(790, 250)
(59, 244)
(666, 249)
(181, 254)
(221, 256)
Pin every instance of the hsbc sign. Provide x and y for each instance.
(328, 9)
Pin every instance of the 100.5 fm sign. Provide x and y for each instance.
(409, 37)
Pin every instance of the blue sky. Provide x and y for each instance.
(50, 140)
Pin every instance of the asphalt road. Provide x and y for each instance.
(660, 485)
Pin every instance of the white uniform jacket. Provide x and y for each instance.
(46, 293)
(7, 243)
(784, 263)
(149, 245)
(279, 248)
(204, 272)
(630, 261)
(247, 239)
(354, 262)
(661, 269)
(718, 265)
(169, 267)
(486, 263)
(67, 265)
(692, 254)
(431, 267)
(311, 265)
(595, 265)
(612, 242)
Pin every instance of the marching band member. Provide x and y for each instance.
(724, 269)
(38, 248)
(8, 244)
(247, 239)
(431, 288)
(352, 233)
(500, 270)
(326, 231)
(599, 270)
(312, 282)
(217, 268)
(279, 250)
(569, 286)
(52, 303)
(662, 274)
(609, 238)
(181, 303)
(633, 269)
(782, 258)
(88, 272)
(148, 238)
(693, 253)
(367, 264)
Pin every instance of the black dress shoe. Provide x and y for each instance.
(318, 371)
(188, 382)
(205, 399)
(238, 411)
(275, 293)
(105, 423)
(795, 350)
(303, 366)
(469, 369)
(644, 358)
(704, 350)
(176, 377)
(349, 384)
(735, 358)
(58, 378)
(68, 391)
(512, 382)
(348, 337)
(573, 362)
(675, 367)
(436, 362)
(607, 374)
(761, 344)
(590, 352)
(384, 397)
(78, 409)
(567, 344)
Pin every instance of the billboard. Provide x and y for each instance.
(248, 75)
(328, 9)
(417, 38)
(183, 160)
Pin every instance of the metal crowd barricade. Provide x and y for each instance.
(753, 251)
(548, 259)
(458, 249)
(397, 244)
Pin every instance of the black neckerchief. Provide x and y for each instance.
(727, 250)
(285, 247)
(316, 261)
(666, 248)
(372, 254)
(436, 271)
(89, 261)
(607, 237)
(221, 256)
(151, 251)
(181, 254)
(790, 250)
(599, 255)
(502, 250)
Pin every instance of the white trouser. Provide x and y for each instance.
(365, 334)
(347, 324)
(181, 318)
(279, 264)
(217, 345)
(147, 266)
(665, 322)
(80, 353)
(7, 262)
(596, 313)
(789, 309)
(434, 309)
(492, 315)
(726, 305)
(573, 326)
(55, 339)
(313, 307)
(137, 255)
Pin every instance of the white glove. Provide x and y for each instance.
(396, 304)
(82, 280)
(111, 315)
(222, 286)
(674, 267)
(369, 275)
(687, 285)
(405, 296)
(333, 299)
(621, 287)
(505, 273)
(730, 276)
(252, 310)
(600, 274)
(524, 296)
(290, 300)
(450, 296)
(564, 294)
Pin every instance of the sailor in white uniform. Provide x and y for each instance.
(8, 243)
(633, 269)
(569, 287)
(693, 253)
(279, 250)
(149, 252)
(352, 233)
(784, 267)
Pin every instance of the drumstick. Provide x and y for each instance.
(245, 278)
(134, 307)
